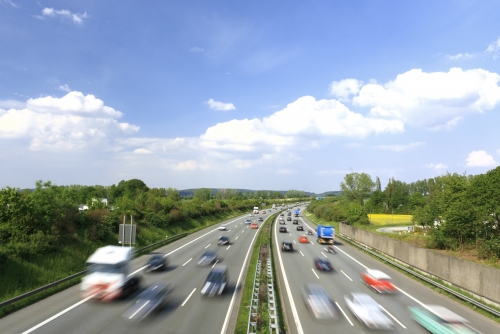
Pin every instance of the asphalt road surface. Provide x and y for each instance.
(297, 269)
(186, 311)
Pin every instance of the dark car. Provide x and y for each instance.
(216, 282)
(156, 262)
(282, 215)
(207, 258)
(148, 301)
(261, 219)
(295, 221)
(288, 219)
(300, 228)
(223, 240)
(287, 246)
(322, 263)
(289, 213)
(283, 229)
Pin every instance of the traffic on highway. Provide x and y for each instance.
(194, 285)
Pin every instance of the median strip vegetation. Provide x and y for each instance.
(263, 247)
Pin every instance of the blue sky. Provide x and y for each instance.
(258, 95)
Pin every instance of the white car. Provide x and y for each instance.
(368, 311)
(222, 228)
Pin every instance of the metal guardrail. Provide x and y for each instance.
(271, 299)
(56, 283)
(254, 303)
(422, 277)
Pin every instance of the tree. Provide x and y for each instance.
(357, 186)
(203, 194)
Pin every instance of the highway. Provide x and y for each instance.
(297, 269)
(186, 311)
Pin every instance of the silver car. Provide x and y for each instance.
(368, 311)
(319, 303)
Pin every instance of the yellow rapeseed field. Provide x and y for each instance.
(388, 219)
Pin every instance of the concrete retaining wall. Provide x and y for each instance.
(478, 279)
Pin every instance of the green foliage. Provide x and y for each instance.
(357, 186)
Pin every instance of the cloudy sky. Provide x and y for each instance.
(252, 94)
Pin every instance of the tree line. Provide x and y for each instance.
(41, 220)
(461, 210)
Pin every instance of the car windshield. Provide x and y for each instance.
(223, 238)
(208, 254)
(105, 268)
(216, 276)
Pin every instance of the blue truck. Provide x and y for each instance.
(326, 234)
(297, 212)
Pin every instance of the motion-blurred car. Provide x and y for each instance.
(254, 225)
(283, 229)
(303, 238)
(282, 215)
(295, 221)
(282, 222)
(216, 282)
(319, 303)
(148, 301)
(156, 262)
(263, 212)
(323, 264)
(261, 219)
(289, 213)
(207, 258)
(368, 311)
(288, 219)
(378, 281)
(300, 228)
(438, 319)
(248, 221)
(287, 246)
(223, 240)
(222, 228)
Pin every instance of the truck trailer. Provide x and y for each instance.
(326, 234)
(297, 212)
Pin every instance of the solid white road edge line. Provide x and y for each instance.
(345, 275)
(187, 262)
(188, 297)
(228, 314)
(345, 315)
(288, 291)
(207, 246)
(393, 317)
(315, 273)
(57, 315)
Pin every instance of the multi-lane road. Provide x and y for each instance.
(297, 269)
(186, 311)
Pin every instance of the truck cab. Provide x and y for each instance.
(108, 275)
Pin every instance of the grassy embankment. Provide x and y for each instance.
(20, 276)
(263, 244)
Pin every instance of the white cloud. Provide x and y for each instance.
(216, 105)
(10, 2)
(494, 49)
(12, 104)
(480, 159)
(65, 88)
(438, 166)
(344, 88)
(189, 165)
(64, 13)
(142, 151)
(400, 147)
(436, 99)
(460, 56)
(72, 122)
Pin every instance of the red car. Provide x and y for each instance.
(263, 212)
(378, 281)
(303, 239)
(254, 225)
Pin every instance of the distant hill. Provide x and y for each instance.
(190, 192)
